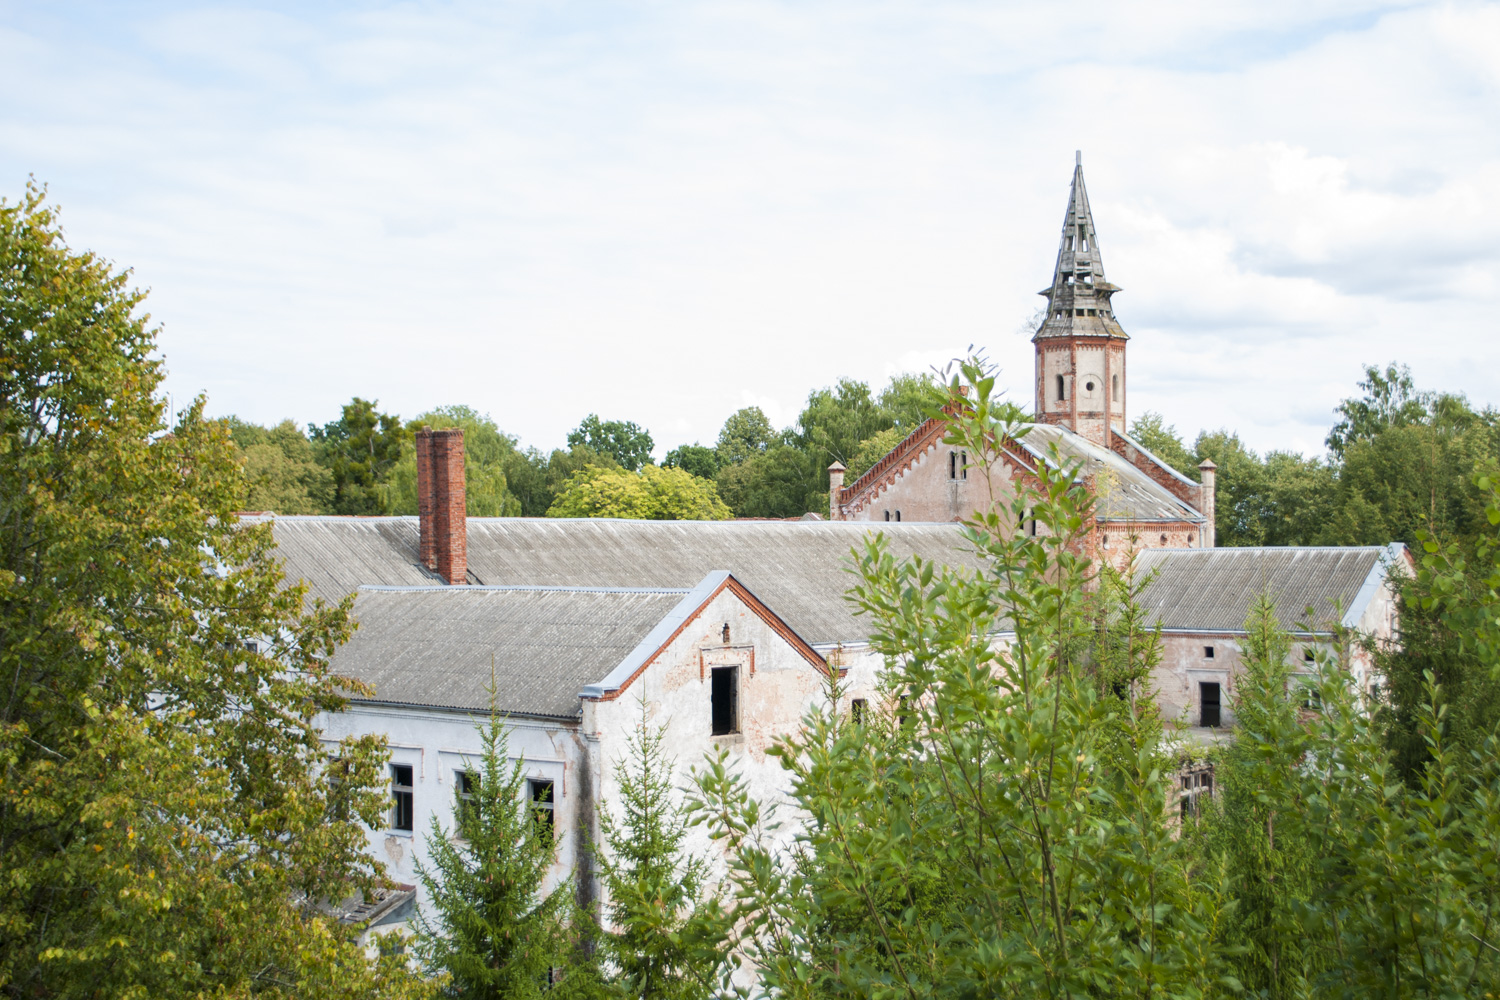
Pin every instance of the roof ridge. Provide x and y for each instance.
(890, 459)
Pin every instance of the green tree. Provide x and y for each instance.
(359, 448)
(487, 453)
(908, 398)
(494, 930)
(627, 443)
(281, 472)
(694, 458)
(666, 939)
(746, 433)
(162, 805)
(1160, 438)
(1391, 400)
(974, 834)
(1240, 485)
(834, 424)
(779, 482)
(871, 451)
(652, 494)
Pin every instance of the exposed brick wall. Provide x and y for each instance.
(1188, 493)
(441, 503)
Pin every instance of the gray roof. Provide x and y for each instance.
(1132, 496)
(1212, 590)
(796, 567)
(434, 645)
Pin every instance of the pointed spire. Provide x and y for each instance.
(1078, 301)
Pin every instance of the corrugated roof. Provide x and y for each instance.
(1212, 590)
(796, 567)
(1132, 495)
(435, 645)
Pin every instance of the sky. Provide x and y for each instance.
(663, 212)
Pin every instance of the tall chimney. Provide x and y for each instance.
(441, 500)
(835, 486)
(1206, 501)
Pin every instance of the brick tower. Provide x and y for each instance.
(1080, 349)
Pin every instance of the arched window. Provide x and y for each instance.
(1062, 389)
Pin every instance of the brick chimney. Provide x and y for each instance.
(440, 503)
(835, 486)
(1206, 501)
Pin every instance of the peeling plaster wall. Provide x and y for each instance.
(926, 492)
(437, 744)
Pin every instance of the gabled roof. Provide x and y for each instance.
(799, 568)
(540, 647)
(1212, 590)
(1132, 495)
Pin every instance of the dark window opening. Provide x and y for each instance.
(1114, 385)
(1309, 655)
(857, 711)
(1208, 652)
(1164, 539)
(724, 698)
(1106, 541)
(1208, 704)
(887, 515)
(1077, 312)
(902, 716)
(1091, 312)
(1062, 388)
(401, 797)
(898, 515)
(465, 785)
(1312, 698)
(1088, 386)
(542, 806)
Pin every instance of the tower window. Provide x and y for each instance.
(1114, 386)
(1077, 312)
(1090, 312)
(1062, 388)
(958, 465)
(1089, 386)
(887, 515)
(898, 515)
(724, 700)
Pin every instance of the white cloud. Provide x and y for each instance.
(665, 213)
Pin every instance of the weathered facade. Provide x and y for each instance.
(1079, 411)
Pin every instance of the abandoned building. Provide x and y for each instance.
(1079, 412)
(724, 632)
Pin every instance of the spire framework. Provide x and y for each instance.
(1078, 301)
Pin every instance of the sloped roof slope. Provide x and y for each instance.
(798, 568)
(434, 645)
(1212, 590)
(1132, 495)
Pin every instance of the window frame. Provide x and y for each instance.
(403, 794)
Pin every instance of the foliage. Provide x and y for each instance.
(281, 472)
(359, 449)
(652, 494)
(1347, 881)
(908, 397)
(746, 433)
(872, 451)
(979, 837)
(664, 941)
(695, 459)
(777, 483)
(487, 451)
(1391, 400)
(495, 930)
(835, 422)
(1153, 433)
(536, 479)
(161, 805)
(627, 443)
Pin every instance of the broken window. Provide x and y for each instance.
(1208, 704)
(958, 465)
(857, 711)
(465, 785)
(724, 698)
(1311, 698)
(401, 797)
(542, 806)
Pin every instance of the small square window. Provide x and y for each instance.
(1208, 652)
(1309, 656)
(402, 797)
